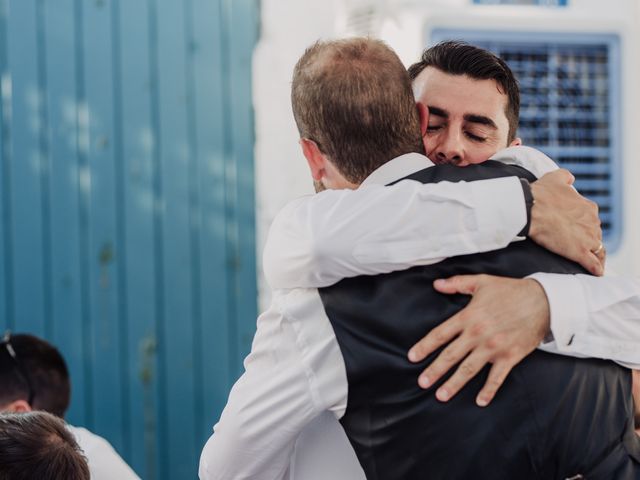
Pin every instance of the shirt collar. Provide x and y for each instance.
(398, 168)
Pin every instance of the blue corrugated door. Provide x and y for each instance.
(127, 209)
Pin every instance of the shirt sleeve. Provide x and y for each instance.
(533, 160)
(595, 317)
(108, 464)
(103, 460)
(288, 381)
(318, 240)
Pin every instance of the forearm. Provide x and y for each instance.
(267, 408)
(244, 450)
(294, 373)
(318, 240)
(594, 316)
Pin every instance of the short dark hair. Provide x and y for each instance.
(460, 58)
(38, 366)
(353, 98)
(38, 445)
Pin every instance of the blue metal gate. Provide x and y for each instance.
(127, 209)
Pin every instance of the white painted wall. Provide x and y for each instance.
(289, 26)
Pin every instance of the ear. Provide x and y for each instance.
(17, 406)
(315, 158)
(516, 142)
(423, 113)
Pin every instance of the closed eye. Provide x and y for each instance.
(475, 138)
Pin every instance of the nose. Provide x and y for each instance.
(450, 150)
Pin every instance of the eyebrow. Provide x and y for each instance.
(481, 119)
(438, 112)
(469, 117)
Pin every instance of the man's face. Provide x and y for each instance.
(467, 121)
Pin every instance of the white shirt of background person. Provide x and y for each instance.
(104, 462)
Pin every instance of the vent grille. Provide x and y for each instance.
(568, 108)
(565, 111)
(363, 20)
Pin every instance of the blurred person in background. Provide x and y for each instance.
(34, 376)
(37, 445)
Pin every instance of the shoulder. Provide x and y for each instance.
(292, 307)
(88, 440)
(529, 158)
(291, 314)
(104, 462)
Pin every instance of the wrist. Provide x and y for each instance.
(542, 311)
(567, 304)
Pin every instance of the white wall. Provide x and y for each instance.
(627, 259)
(289, 26)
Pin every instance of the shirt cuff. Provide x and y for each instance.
(567, 307)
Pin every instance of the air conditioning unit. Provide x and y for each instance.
(577, 64)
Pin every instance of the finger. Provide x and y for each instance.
(602, 256)
(592, 263)
(598, 265)
(466, 284)
(559, 176)
(468, 369)
(565, 176)
(436, 338)
(496, 378)
(450, 356)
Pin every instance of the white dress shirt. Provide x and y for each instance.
(104, 462)
(281, 419)
(317, 240)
